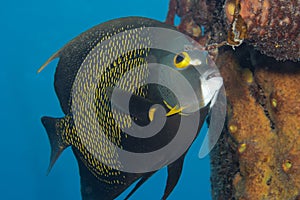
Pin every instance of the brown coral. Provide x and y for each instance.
(196, 16)
(266, 133)
(273, 26)
(258, 153)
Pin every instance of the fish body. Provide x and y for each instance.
(95, 72)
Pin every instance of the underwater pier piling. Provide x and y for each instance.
(258, 153)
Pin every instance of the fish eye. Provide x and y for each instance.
(182, 60)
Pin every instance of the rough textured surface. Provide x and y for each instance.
(258, 154)
(201, 19)
(263, 120)
(272, 26)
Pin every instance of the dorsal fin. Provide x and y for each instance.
(55, 55)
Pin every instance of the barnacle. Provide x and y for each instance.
(237, 32)
(287, 165)
(238, 29)
(247, 75)
(233, 128)
(230, 7)
(274, 102)
(242, 147)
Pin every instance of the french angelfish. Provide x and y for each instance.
(78, 63)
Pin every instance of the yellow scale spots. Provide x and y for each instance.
(113, 71)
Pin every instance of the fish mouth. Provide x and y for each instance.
(210, 84)
(210, 74)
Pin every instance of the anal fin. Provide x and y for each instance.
(174, 173)
(139, 184)
(99, 187)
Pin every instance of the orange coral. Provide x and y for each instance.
(258, 154)
(267, 132)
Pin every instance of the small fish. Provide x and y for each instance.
(92, 80)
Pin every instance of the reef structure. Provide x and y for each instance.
(258, 154)
(200, 19)
(272, 26)
(263, 130)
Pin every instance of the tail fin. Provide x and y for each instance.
(55, 138)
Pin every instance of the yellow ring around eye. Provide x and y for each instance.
(182, 60)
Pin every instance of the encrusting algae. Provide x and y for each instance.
(272, 26)
(267, 132)
(258, 154)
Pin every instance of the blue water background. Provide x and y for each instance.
(30, 32)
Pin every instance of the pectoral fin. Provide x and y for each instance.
(174, 110)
